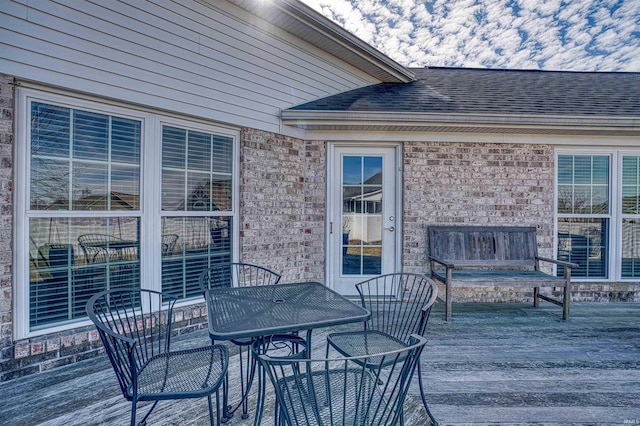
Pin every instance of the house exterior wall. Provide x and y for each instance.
(282, 208)
(282, 204)
(214, 60)
(6, 218)
(481, 184)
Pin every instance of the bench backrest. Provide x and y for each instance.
(484, 246)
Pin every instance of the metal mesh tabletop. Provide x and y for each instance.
(258, 311)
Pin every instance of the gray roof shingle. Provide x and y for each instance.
(485, 91)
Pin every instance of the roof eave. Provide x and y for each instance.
(337, 40)
(499, 123)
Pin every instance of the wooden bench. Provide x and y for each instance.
(481, 256)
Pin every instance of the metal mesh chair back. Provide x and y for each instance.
(132, 328)
(344, 391)
(169, 242)
(237, 275)
(399, 303)
(135, 328)
(96, 247)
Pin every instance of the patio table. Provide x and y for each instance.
(253, 312)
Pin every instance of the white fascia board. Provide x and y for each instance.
(483, 123)
(353, 43)
(349, 118)
(334, 33)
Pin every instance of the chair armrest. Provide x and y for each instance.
(559, 262)
(442, 262)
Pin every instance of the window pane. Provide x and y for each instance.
(565, 170)
(49, 184)
(565, 199)
(351, 170)
(125, 184)
(584, 241)
(49, 130)
(173, 190)
(125, 140)
(198, 243)
(90, 185)
(72, 170)
(361, 219)
(221, 190)
(198, 192)
(630, 248)
(208, 179)
(199, 151)
(222, 154)
(583, 184)
(630, 185)
(73, 258)
(90, 135)
(174, 143)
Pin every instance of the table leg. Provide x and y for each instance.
(292, 344)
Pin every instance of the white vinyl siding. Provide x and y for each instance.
(208, 61)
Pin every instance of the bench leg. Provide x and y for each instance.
(536, 300)
(448, 302)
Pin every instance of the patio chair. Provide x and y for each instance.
(135, 329)
(169, 242)
(351, 391)
(400, 305)
(246, 275)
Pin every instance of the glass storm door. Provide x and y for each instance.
(363, 225)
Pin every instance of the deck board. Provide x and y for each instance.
(493, 364)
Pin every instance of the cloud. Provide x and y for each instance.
(572, 35)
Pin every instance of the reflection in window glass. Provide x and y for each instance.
(362, 215)
(630, 217)
(73, 153)
(80, 161)
(583, 214)
(73, 258)
(584, 241)
(191, 245)
(196, 171)
(84, 215)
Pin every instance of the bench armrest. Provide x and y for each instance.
(559, 262)
(444, 263)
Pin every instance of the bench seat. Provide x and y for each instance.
(506, 277)
(482, 256)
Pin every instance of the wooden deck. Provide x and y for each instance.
(494, 364)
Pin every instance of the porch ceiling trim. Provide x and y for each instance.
(481, 123)
(304, 22)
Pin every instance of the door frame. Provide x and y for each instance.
(333, 236)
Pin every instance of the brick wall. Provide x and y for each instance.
(6, 218)
(476, 183)
(282, 204)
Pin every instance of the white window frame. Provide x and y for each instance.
(150, 199)
(615, 214)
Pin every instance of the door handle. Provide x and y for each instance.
(390, 229)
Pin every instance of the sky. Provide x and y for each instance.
(568, 35)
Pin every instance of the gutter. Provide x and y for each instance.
(302, 118)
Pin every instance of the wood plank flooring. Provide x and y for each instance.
(493, 364)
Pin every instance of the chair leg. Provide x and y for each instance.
(424, 397)
(211, 409)
(133, 412)
(146, 416)
(226, 408)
